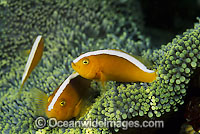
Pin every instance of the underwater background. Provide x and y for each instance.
(165, 32)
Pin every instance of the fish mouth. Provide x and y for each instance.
(73, 64)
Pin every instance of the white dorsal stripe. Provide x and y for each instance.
(61, 89)
(31, 56)
(116, 53)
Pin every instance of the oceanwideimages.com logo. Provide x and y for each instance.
(41, 122)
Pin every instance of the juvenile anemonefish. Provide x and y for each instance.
(115, 65)
(67, 100)
(33, 59)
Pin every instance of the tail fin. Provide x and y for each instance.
(41, 100)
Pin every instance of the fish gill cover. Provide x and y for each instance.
(73, 27)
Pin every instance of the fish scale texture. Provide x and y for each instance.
(71, 28)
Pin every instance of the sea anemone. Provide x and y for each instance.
(74, 27)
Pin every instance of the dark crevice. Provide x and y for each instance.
(163, 20)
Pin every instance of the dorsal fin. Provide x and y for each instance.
(143, 60)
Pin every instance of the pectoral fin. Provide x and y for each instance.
(77, 108)
(103, 80)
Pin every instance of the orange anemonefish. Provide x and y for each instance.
(67, 100)
(115, 65)
(33, 59)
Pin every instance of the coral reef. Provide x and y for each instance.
(74, 27)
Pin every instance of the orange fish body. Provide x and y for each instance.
(107, 65)
(33, 59)
(67, 105)
(66, 101)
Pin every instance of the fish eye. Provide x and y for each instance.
(86, 61)
(62, 103)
